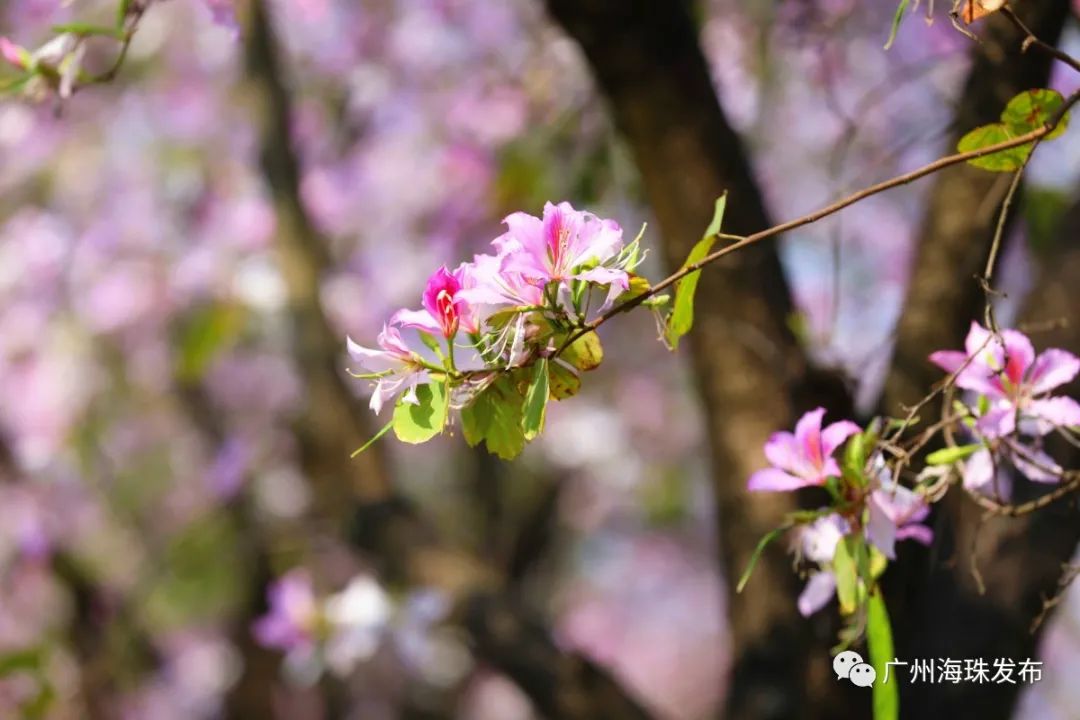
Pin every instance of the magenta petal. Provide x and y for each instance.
(808, 436)
(817, 593)
(1019, 355)
(834, 435)
(1036, 465)
(773, 480)
(1052, 369)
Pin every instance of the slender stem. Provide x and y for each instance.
(1030, 40)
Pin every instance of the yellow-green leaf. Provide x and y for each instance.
(419, 423)
(585, 353)
(879, 644)
(564, 382)
(682, 314)
(536, 397)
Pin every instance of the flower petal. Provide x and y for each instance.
(1053, 412)
(1052, 369)
(419, 319)
(1019, 355)
(949, 360)
(817, 593)
(881, 529)
(808, 436)
(773, 480)
(834, 435)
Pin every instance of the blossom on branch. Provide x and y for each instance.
(804, 458)
(394, 365)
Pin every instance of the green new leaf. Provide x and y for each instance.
(585, 353)
(536, 397)
(432, 344)
(949, 455)
(419, 423)
(682, 314)
(1028, 111)
(879, 644)
(88, 30)
(495, 417)
(898, 18)
(563, 381)
(847, 574)
(1032, 109)
(762, 544)
(855, 455)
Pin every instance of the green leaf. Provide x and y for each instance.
(1001, 161)
(1028, 111)
(372, 441)
(847, 574)
(855, 454)
(1032, 109)
(898, 18)
(585, 353)
(682, 315)
(949, 455)
(28, 660)
(563, 381)
(638, 286)
(494, 417)
(536, 397)
(879, 644)
(419, 423)
(762, 544)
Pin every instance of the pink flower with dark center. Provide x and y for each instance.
(1007, 372)
(557, 247)
(805, 458)
(444, 309)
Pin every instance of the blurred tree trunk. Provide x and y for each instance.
(937, 608)
(752, 375)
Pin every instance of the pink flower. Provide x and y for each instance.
(444, 309)
(556, 247)
(1007, 372)
(984, 471)
(293, 617)
(805, 458)
(398, 367)
(817, 543)
(896, 513)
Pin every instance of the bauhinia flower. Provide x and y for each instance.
(985, 471)
(817, 543)
(393, 365)
(1016, 382)
(896, 513)
(565, 245)
(444, 309)
(805, 458)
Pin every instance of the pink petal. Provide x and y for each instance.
(773, 480)
(782, 451)
(881, 530)
(606, 276)
(999, 421)
(916, 532)
(949, 360)
(370, 359)
(1019, 355)
(1036, 465)
(419, 319)
(979, 471)
(834, 435)
(817, 593)
(808, 435)
(1053, 412)
(1052, 369)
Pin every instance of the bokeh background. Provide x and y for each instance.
(174, 303)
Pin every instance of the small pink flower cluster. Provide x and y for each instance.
(503, 309)
(1012, 411)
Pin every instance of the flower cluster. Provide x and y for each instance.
(1012, 409)
(868, 502)
(337, 632)
(524, 307)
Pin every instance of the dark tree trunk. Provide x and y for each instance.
(647, 61)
